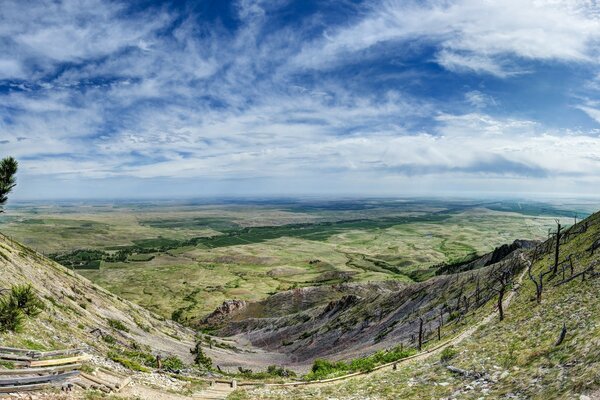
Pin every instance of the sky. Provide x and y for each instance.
(144, 99)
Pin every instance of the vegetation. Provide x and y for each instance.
(118, 325)
(20, 302)
(323, 369)
(8, 170)
(201, 359)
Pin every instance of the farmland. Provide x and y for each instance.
(183, 259)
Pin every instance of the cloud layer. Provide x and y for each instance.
(345, 96)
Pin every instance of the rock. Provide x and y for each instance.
(224, 310)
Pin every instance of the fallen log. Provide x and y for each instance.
(58, 361)
(14, 357)
(37, 379)
(23, 388)
(99, 381)
(47, 370)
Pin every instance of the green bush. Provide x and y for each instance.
(11, 317)
(26, 300)
(19, 303)
(109, 339)
(200, 358)
(118, 325)
(448, 354)
(323, 369)
(172, 363)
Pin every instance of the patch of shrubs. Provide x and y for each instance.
(272, 371)
(18, 304)
(200, 358)
(323, 369)
(448, 354)
(173, 363)
(118, 325)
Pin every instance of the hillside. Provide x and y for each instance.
(519, 357)
(352, 320)
(78, 313)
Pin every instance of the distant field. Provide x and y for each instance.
(183, 260)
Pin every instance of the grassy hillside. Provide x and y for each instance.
(515, 358)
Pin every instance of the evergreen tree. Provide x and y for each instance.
(8, 170)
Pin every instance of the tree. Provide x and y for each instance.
(8, 170)
(557, 248)
(539, 283)
(502, 278)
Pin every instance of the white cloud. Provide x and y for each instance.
(474, 35)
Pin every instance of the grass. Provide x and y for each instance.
(189, 259)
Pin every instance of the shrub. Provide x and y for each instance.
(26, 300)
(200, 358)
(11, 317)
(448, 354)
(172, 363)
(118, 325)
(19, 303)
(109, 339)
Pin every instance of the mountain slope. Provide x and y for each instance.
(353, 320)
(515, 358)
(79, 313)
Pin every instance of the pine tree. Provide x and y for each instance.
(8, 170)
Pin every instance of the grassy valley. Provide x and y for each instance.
(183, 260)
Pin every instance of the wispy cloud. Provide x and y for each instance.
(115, 90)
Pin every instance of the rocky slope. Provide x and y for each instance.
(351, 320)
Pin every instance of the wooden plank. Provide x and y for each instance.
(14, 357)
(45, 370)
(54, 353)
(23, 388)
(123, 384)
(58, 361)
(17, 351)
(99, 381)
(37, 379)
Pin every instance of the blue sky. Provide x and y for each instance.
(289, 97)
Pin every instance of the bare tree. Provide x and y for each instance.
(557, 248)
(563, 333)
(502, 279)
(420, 333)
(539, 283)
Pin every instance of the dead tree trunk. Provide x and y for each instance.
(439, 332)
(500, 300)
(557, 248)
(563, 333)
(420, 333)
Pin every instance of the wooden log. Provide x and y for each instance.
(123, 384)
(16, 351)
(81, 384)
(58, 361)
(47, 370)
(14, 357)
(99, 381)
(23, 388)
(55, 353)
(37, 379)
